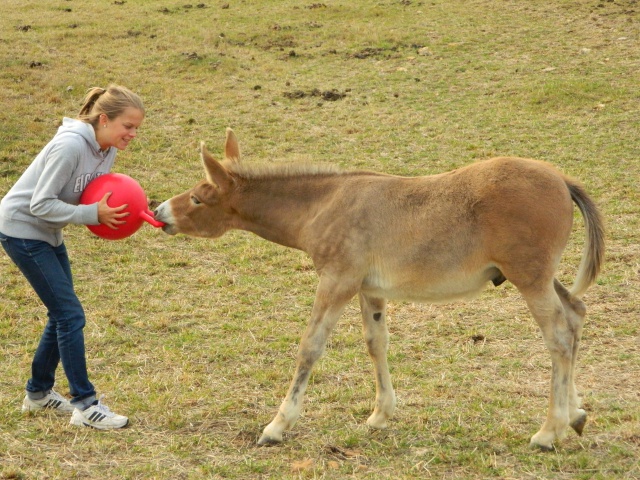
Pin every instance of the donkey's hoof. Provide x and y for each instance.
(266, 440)
(377, 421)
(543, 441)
(579, 423)
(541, 447)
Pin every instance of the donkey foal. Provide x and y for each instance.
(424, 239)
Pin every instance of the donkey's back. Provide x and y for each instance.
(445, 236)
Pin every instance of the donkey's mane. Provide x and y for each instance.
(286, 170)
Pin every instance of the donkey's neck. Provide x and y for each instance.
(278, 209)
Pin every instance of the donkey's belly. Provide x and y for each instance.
(419, 288)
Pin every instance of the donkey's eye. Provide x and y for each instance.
(195, 200)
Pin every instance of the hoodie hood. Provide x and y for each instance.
(85, 130)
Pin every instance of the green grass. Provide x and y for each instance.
(195, 340)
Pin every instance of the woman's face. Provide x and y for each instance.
(119, 131)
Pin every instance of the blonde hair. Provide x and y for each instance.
(112, 101)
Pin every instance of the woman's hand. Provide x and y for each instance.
(111, 217)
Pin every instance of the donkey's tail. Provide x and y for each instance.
(593, 253)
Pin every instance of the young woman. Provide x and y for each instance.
(32, 215)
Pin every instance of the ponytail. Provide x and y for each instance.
(89, 101)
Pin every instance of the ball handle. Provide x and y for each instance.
(148, 217)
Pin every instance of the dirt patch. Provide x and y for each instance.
(328, 95)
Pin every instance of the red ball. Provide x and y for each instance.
(125, 190)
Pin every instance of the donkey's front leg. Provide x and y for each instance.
(376, 336)
(329, 304)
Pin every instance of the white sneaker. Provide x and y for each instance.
(52, 401)
(98, 416)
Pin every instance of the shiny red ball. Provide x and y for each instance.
(125, 190)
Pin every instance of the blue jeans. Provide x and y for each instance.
(48, 271)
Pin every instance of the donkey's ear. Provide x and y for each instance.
(215, 172)
(231, 148)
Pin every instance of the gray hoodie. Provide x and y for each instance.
(45, 198)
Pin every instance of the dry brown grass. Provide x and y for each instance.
(195, 339)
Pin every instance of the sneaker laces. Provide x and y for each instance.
(103, 408)
(53, 395)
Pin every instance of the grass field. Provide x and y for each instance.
(195, 339)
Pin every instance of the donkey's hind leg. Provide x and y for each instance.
(560, 337)
(575, 311)
(376, 336)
